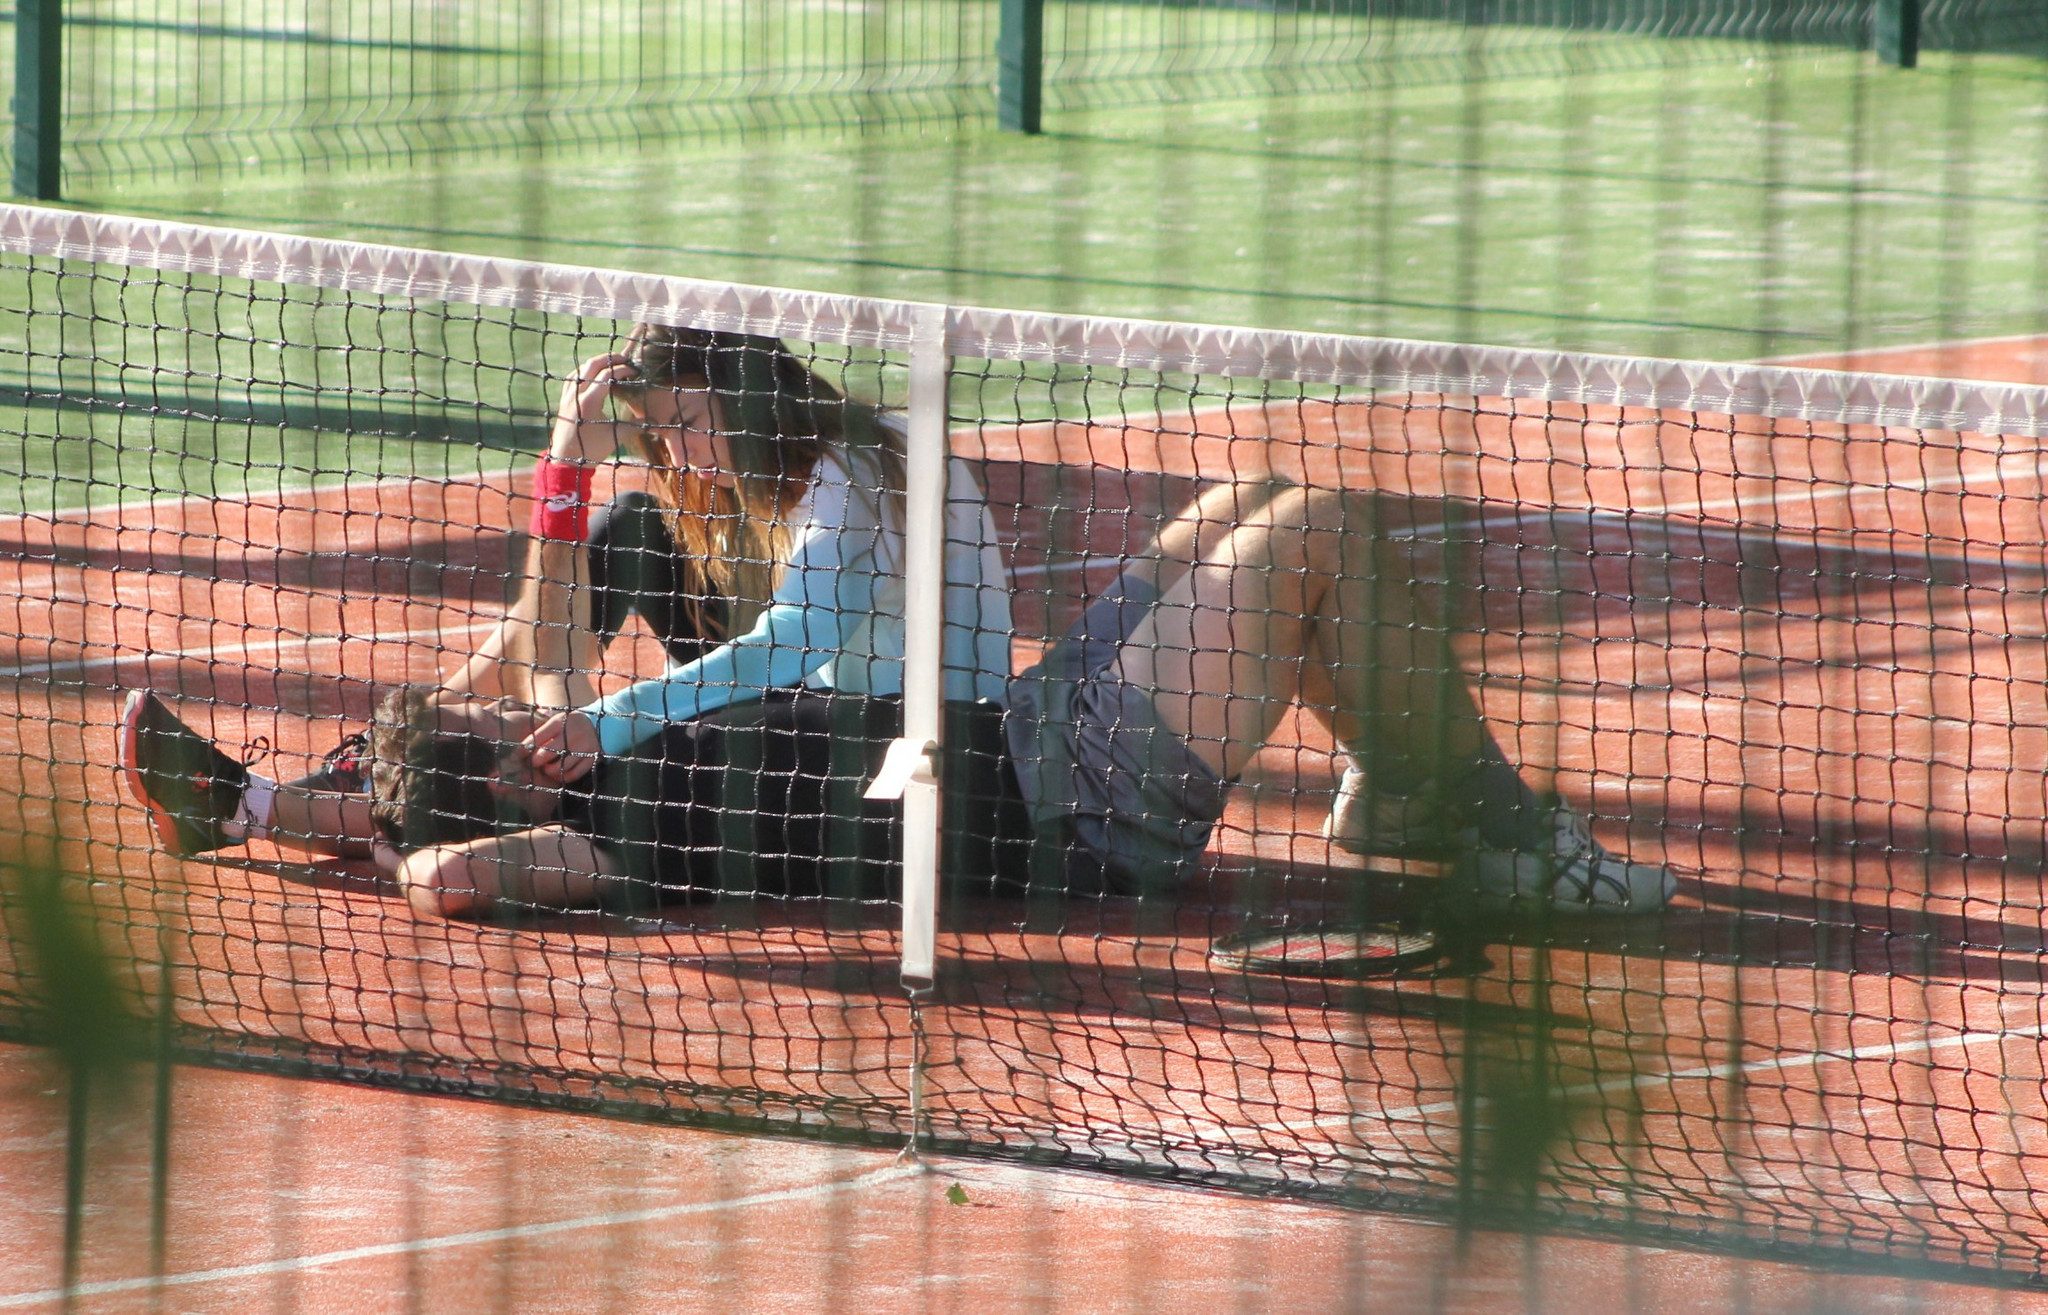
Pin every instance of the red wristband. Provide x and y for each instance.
(561, 500)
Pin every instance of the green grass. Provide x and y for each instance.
(78, 456)
(263, 83)
(1809, 202)
(119, 390)
(1690, 199)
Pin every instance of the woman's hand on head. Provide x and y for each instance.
(584, 427)
(562, 749)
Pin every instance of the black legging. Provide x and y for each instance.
(765, 797)
(756, 798)
(633, 568)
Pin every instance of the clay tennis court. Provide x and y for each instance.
(1792, 661)
(453, 1205)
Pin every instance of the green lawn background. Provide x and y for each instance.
(1696, 198)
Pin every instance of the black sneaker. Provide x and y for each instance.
(190, 788)
(345, 768)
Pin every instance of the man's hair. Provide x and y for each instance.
(430, 786)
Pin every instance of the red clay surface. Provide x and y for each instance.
(1803, 666)
(2020, 360)
(317, 1198)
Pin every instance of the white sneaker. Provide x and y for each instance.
(1368, 821)
(1576, 875)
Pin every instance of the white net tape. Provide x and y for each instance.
(1783, 392)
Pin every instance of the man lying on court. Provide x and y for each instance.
(776, 523)
(1122, 739)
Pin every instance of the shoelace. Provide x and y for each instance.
(253, 752)
(1579, 860)
(348, 755)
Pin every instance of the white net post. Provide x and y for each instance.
(924, 536)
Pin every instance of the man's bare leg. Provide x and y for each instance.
(1308, 582)
(548, 867)
(1302, 600)
(316, 821)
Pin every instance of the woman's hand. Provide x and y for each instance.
(584, 427)
(562, 749)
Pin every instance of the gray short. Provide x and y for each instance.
(1128, 798)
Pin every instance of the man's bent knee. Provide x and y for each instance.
(441, 883)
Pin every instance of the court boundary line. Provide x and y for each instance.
(1698, 517)
(1811, 490)
(1417, 1114)
(1808, 488)
(170, 501)
(418, 1246)
(224, 656)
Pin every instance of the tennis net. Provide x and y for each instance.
(1773, 633)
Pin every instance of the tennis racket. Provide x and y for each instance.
(1327, 949)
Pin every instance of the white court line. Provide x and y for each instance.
(1805, 359)
(1835, 490)
(168, 501)
(1805, 494)
(1072, 565)
(1777, 1063)
(1733, 532)
(233, 656)
(416, 1246)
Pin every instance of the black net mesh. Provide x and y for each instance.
(1625, 816)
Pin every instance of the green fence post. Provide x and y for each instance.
(1898, 32)
(1020, 64)
(38, 96)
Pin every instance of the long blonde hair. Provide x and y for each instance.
(778, 419)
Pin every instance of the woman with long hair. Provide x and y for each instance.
(1256, 599)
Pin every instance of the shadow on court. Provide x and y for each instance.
(1780, 706)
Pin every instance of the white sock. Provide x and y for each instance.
(252, 818)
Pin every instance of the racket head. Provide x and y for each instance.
(1328, 949)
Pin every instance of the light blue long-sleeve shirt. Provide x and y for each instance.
(835, 620)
